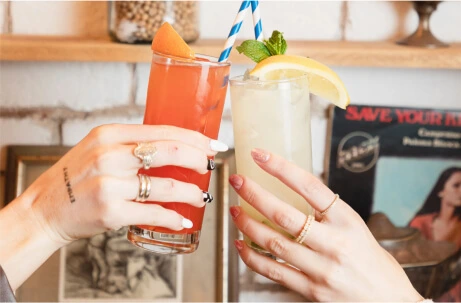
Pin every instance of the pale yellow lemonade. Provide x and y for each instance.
(271, 110)
(273, 115)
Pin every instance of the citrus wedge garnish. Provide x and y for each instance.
(323, 82)
(168, 42)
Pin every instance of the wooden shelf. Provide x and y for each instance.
(335, 53)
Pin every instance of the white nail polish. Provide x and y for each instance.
(218, 146)
(186, 223)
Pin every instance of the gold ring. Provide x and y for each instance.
(146, 152)
(323, 213)
(306, 228)
(144, 188)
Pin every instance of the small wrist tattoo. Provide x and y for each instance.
(69, 188)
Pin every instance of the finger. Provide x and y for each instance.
(307, 185)
(162, 190)
(180, 154)
(132, 134)
(279, 245)
(152, 214)
(276, 271)
(279, 212)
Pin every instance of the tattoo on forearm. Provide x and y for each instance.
(69, 188)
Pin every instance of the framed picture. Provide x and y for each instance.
(107, 267)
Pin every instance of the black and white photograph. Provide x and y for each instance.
(107, 267)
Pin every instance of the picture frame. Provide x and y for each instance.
(215, 281)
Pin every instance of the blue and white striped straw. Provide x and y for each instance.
(257, 20)
(234, 31)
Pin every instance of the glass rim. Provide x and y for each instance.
(239, 80)
(213, 60)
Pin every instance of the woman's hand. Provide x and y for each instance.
(339, 259)
(92, 188)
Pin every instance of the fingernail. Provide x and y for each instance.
(236, 181)
(186, 223)
(238, 244)
(211, 165)
(218, 146)
(207, 197)
(260, 155)
(234, 211)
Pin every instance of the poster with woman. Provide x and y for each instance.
(406, 164)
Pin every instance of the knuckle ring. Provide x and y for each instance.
(335, 199)
(146, 152)
(306, 228)
(144, 188)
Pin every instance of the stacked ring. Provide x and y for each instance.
(144, 188)
(306, 228)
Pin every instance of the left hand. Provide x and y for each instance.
(339, 260)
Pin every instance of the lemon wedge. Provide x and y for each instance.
(323, 82)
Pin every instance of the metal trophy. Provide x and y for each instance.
(423, 36)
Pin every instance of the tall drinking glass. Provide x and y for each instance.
(188, 94)
(273, 115)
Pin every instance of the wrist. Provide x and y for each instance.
(26, 241)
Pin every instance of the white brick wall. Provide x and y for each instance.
(23, 131)
(3, 18)
(60, 18)
(75, 130)
(386, 20)
(80, 86)
(315, 20)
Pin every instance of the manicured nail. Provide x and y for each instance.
(218, 146)
(234, 211)
(236, 181)
(238, 244)
(207, 197)
(186, 223)
(211, 165)
(260, 155)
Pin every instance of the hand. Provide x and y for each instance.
(102, 174)
(92, 188)
(339, 259)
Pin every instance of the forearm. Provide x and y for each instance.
(24, 243)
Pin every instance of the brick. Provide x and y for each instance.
(3, 17)
(61, 18)
(270, 296)
(445, 21)
(432, 88)
(27, 132)
(312, 20)
(75, 130)
(80, 86)
(142, 76)
(377, 20)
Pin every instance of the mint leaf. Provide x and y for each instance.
(255, 50)
(276, 44)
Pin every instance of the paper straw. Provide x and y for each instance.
(257, 20)
(234, 31)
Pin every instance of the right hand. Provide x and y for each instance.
(102, 172)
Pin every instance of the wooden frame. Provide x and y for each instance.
(202, 280)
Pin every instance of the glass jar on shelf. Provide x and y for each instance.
(138, 21)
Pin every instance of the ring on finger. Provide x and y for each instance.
(333, 203)
(306, 228)
(145, 151)
(144, 188)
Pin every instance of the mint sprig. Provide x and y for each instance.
(258, 51)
